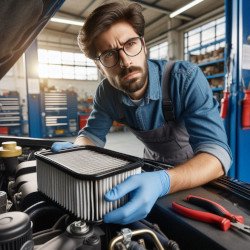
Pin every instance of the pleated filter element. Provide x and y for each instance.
(77, 179)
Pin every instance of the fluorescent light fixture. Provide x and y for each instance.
(184, 8)
(66, 21)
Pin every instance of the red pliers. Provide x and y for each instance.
(219, 215)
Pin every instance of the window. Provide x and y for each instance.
(159, 51)
(10, 72)
(65, 65)
(205, 38)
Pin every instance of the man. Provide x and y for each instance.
(194, 141)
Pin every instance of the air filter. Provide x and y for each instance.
(77, 179)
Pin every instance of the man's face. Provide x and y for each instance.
(130, 73)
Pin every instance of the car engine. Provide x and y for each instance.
(31, 218)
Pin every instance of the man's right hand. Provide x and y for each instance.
(58, 146)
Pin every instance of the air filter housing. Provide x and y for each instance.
(77, 179)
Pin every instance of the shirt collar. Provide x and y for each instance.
(153, 89)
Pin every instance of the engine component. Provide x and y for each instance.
(126, 235)
(78, 236)
(9, 152)
(167, 243)
(3, 202)
(78, 228)
(78, 178)
(24, 189)
(41, 210)
(15, 231)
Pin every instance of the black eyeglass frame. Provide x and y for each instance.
(117, 51)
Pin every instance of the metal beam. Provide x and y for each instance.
(82, 12)
(58, 33)
(69, 15)
(198, 20)
(162, 10)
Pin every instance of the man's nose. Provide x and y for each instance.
(125, 60)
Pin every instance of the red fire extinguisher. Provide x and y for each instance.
(224, 103)
(245, 116)
(228, 83)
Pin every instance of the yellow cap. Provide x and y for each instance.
(10, 149)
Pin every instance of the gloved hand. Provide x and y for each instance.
(58, 146)
(144, 189)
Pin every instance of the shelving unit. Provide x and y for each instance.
(205, 46)
(213, 66)
(10, 114)
(59, 113)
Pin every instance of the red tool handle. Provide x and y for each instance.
(214, 208)
(223, 223)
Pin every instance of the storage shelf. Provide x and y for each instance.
(209, 54)
(215, 76)
(217, 89)
(211, 62)
(207, 45)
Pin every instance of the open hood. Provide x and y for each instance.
(20, 23)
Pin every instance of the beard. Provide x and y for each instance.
(133, 84)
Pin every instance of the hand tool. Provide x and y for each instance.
(219, 215)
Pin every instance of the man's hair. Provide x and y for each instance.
(103, 17)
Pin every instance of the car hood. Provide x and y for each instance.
(20, 23)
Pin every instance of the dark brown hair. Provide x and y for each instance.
(103, 17)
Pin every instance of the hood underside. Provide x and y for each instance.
(20, 23)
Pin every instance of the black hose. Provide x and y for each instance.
(144, 224)
(134, 245)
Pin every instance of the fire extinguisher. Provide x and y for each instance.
(224, 103)
(245, 116)
(227, 87)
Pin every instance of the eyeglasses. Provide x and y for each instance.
(132, 48)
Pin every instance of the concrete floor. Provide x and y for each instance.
(125, 142)
(121, 141)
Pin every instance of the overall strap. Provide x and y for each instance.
(167, 106)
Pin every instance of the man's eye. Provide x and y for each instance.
(130, 44)
(109, 54)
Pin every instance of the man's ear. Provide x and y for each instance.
(97, 63)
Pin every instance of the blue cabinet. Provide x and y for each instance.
(59, 113)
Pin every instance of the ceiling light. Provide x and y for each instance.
(66, 21)
(184, 8)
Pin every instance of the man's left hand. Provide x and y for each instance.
(144, 189)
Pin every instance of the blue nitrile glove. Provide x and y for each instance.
(144, 190)
(58, 146)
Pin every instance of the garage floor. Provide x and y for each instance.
(121, 141)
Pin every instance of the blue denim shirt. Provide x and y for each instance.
(193, 103)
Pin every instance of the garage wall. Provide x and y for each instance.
(15, 80)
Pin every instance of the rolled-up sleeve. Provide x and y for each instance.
(195, 103)
(217, 151)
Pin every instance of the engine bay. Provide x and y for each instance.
(34, 219)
